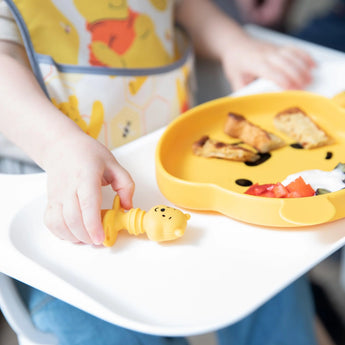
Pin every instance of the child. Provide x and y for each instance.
(72, 213)
(109, 55)
(243, 58)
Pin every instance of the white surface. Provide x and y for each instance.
(219, 272)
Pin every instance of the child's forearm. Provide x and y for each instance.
(77, 166)
(211, 30)
(27, 117)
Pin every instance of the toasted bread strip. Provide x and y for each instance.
(238, 126)
(295, 123)
(210, 148)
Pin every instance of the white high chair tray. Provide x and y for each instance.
(216, 274)
(219, 272)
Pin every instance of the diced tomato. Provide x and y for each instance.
(259, 189)
(268, 194)
(293, 194)
(296, 189)
(300, 187)
(280, 190)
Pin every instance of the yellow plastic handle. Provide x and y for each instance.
(318, 210)
(160, 223)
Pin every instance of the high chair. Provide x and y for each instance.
(18, 316)
(19, 319)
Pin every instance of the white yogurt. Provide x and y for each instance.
(330, 180)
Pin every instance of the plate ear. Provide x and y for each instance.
(308, 210)
(339, 99)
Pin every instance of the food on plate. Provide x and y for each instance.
(322, 181)
(295, 189)
(237, 126)
(295, 123)
(207, 147)
(302, 184)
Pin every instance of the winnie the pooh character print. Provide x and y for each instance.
(122, 37)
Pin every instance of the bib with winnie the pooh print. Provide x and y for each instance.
(118, 68)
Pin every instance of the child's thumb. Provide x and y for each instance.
(123, 184)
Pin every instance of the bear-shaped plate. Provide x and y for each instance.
(211, 184)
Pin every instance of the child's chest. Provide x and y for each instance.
(125, 33)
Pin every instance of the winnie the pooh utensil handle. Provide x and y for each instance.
(160, 223)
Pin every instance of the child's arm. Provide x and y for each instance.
(243, 58)
(76, 164)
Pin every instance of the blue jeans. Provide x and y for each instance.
(286, 319)
(327, 30)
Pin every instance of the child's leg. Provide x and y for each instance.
(286, 319)
(73, 326)
(327, 30)
(13, 166)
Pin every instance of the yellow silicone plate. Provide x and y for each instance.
(210, 184)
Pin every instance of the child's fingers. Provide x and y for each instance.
(236, 81)
(123, 184)
(302, 66)
(239, 80)
(73, 219)
(54, 221)
(292, 75)
(126, 194)
(296, 64)
(291, 58)
(301, 55)
(90, 199)
(271, 72)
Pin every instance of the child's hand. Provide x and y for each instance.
(288, 67)
(77, 168)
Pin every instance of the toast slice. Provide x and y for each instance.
(210, 148)
(295, 123)
(237, 126)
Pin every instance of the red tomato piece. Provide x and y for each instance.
(280, 190)
(296, 189)
(268, 194)
(259, 189)
(300, 187)
(293, 194)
